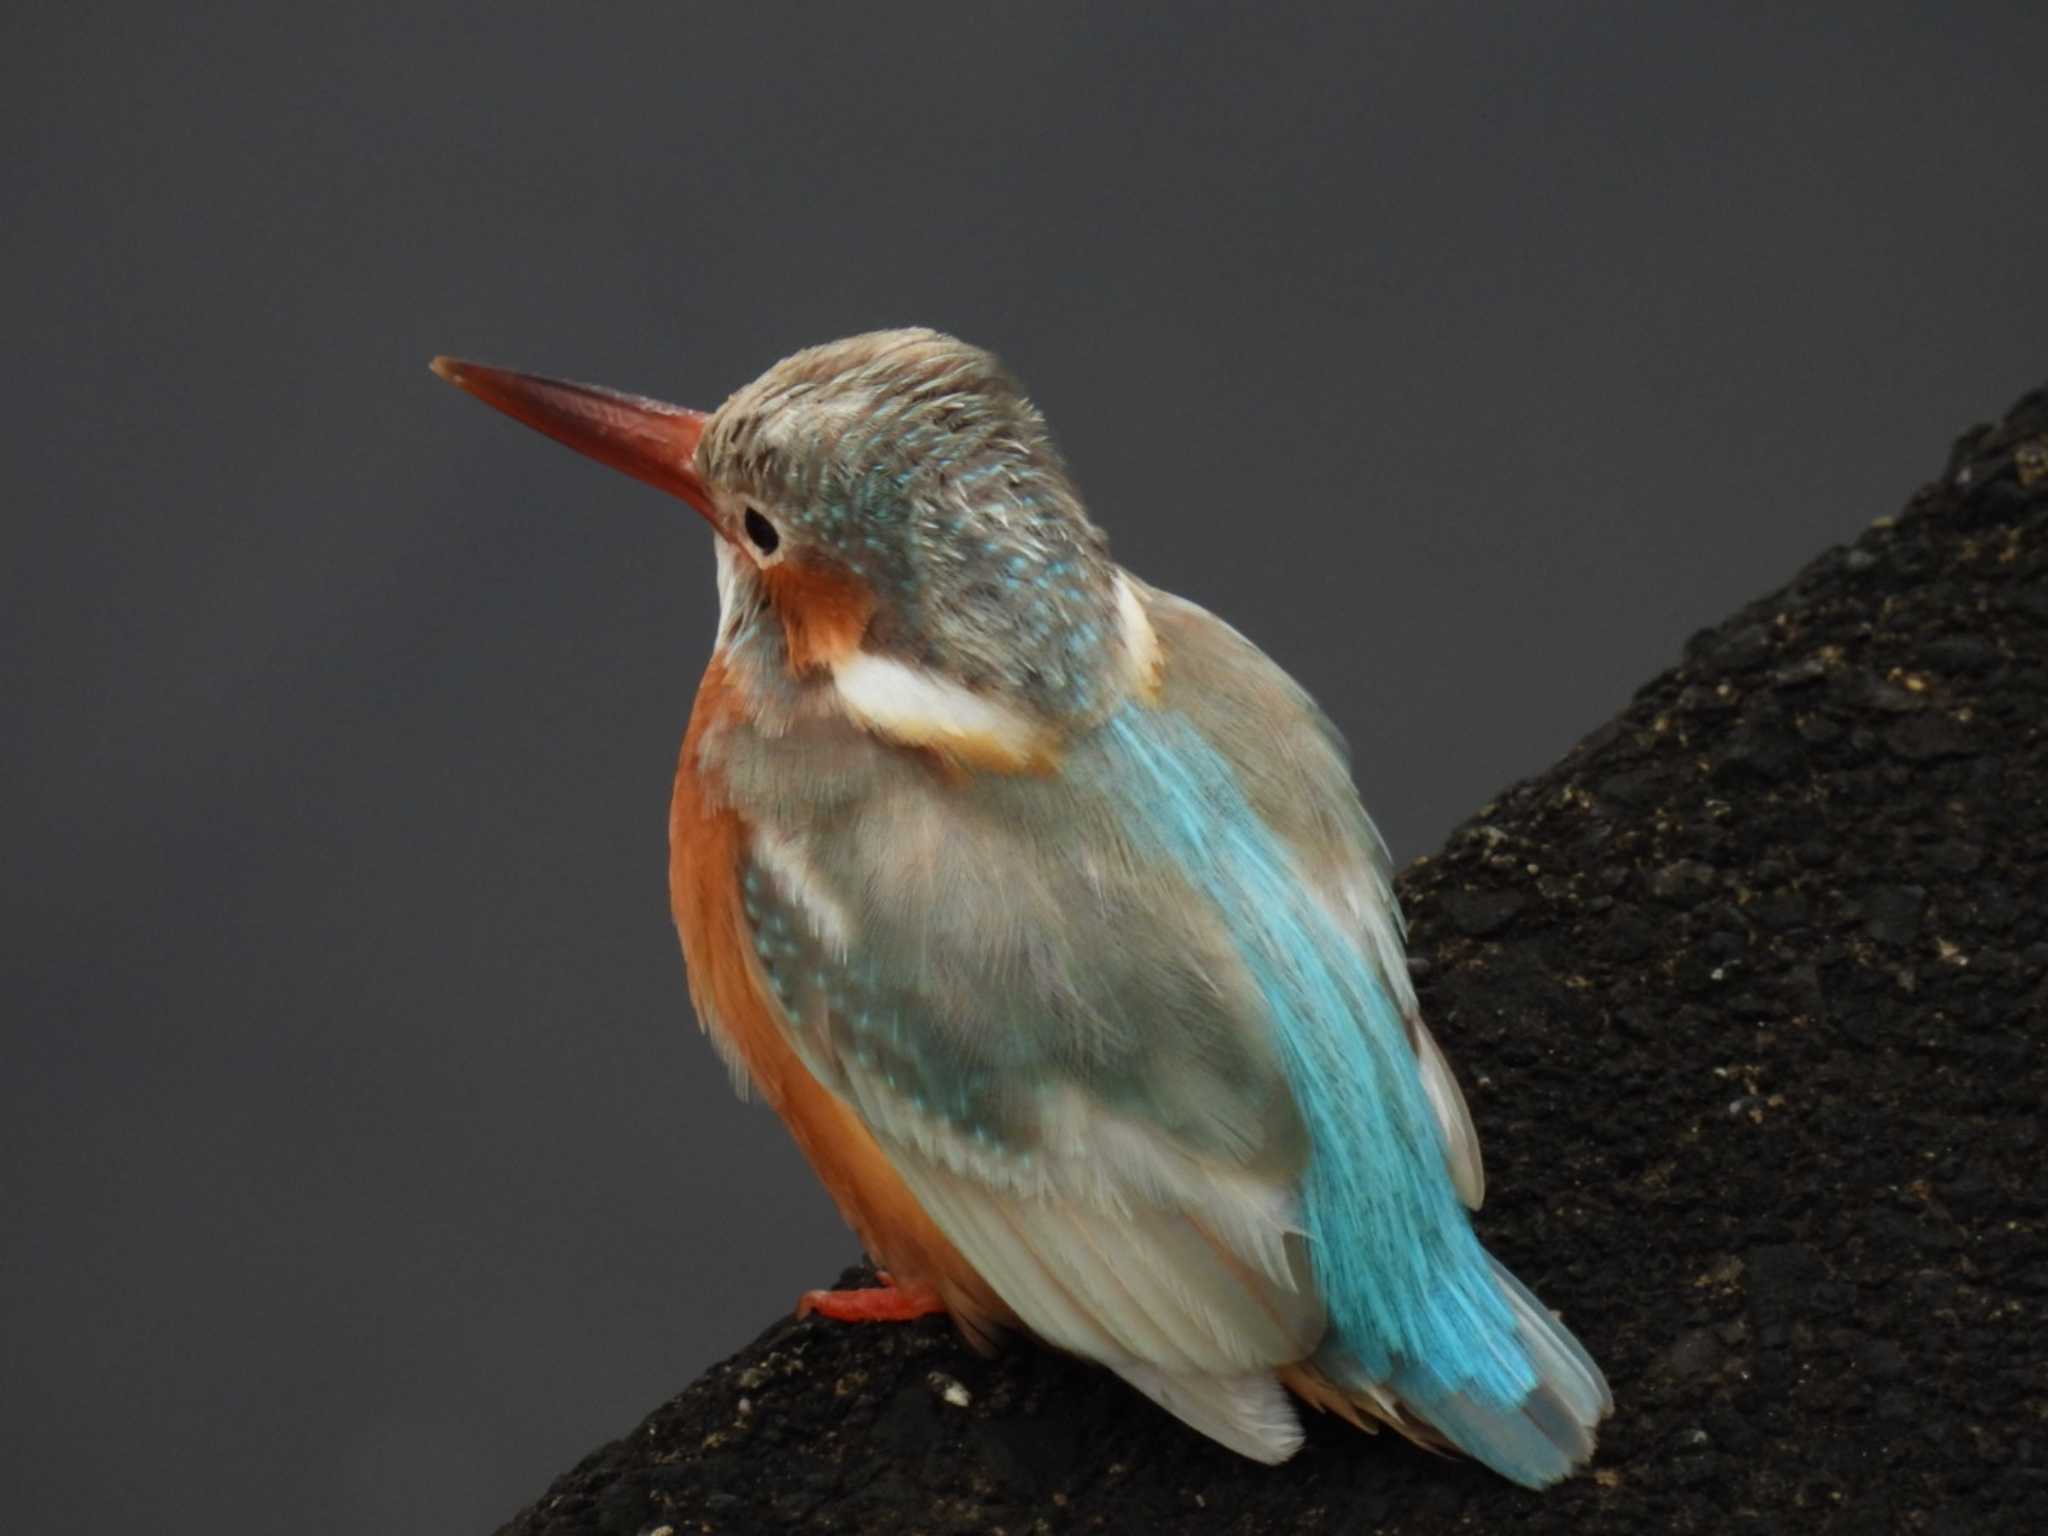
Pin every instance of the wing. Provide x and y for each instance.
(1059, 1054)
(1296, 773)
(1046, 1013)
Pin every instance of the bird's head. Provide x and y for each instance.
(894, 504)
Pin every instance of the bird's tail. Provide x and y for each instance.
(1535, 1442)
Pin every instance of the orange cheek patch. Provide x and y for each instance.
(824, 612)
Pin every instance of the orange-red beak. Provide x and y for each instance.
(650, 441)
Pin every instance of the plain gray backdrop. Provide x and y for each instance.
(362, 1165)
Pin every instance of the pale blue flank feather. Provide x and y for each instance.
(1412, 1297)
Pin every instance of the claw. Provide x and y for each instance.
(886, 1303)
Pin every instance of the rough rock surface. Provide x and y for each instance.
(1749, 996)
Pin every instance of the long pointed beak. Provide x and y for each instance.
(647, 439)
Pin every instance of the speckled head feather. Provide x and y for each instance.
(914, 464)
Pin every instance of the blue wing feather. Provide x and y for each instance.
(1411, 1293)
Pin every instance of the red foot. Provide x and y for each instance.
(889, 1303)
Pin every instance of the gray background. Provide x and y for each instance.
(362, 1166)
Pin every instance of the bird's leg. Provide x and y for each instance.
(886, 1303)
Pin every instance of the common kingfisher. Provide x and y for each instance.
(1039, 904)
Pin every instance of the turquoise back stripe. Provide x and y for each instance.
(1410, 1291)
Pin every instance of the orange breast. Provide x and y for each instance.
(707, 846)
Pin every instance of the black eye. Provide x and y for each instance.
(762, 532)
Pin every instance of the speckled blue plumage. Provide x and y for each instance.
(928, 474)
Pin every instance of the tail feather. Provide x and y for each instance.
(1537, 1441)
(1359, 1403)
(1561, 1361)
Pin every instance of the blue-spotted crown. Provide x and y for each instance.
(914, 463)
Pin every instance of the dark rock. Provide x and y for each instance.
(1686, 883)
(1962, 654)
(1966, 449)
(1693, 1465)
(1815, 1310)
(1928, 738)
(1731, 650)
(1953, 856)
(1800, 988)
(1800, 673)
(1819, 730)
(2032, 603)
(1881, 1359)
(1757, 757)
(1781, 1279)
(1697, 1353)
(1890, 698)
(1478, 913)
(1780, 910)
(1710, 705)
(1893, 913)
(1638, 787)
(1993, 906)
(2000, 501)
(1626, 935)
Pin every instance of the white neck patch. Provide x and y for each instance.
(909, 704)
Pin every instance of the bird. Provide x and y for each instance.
(1041, 906)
